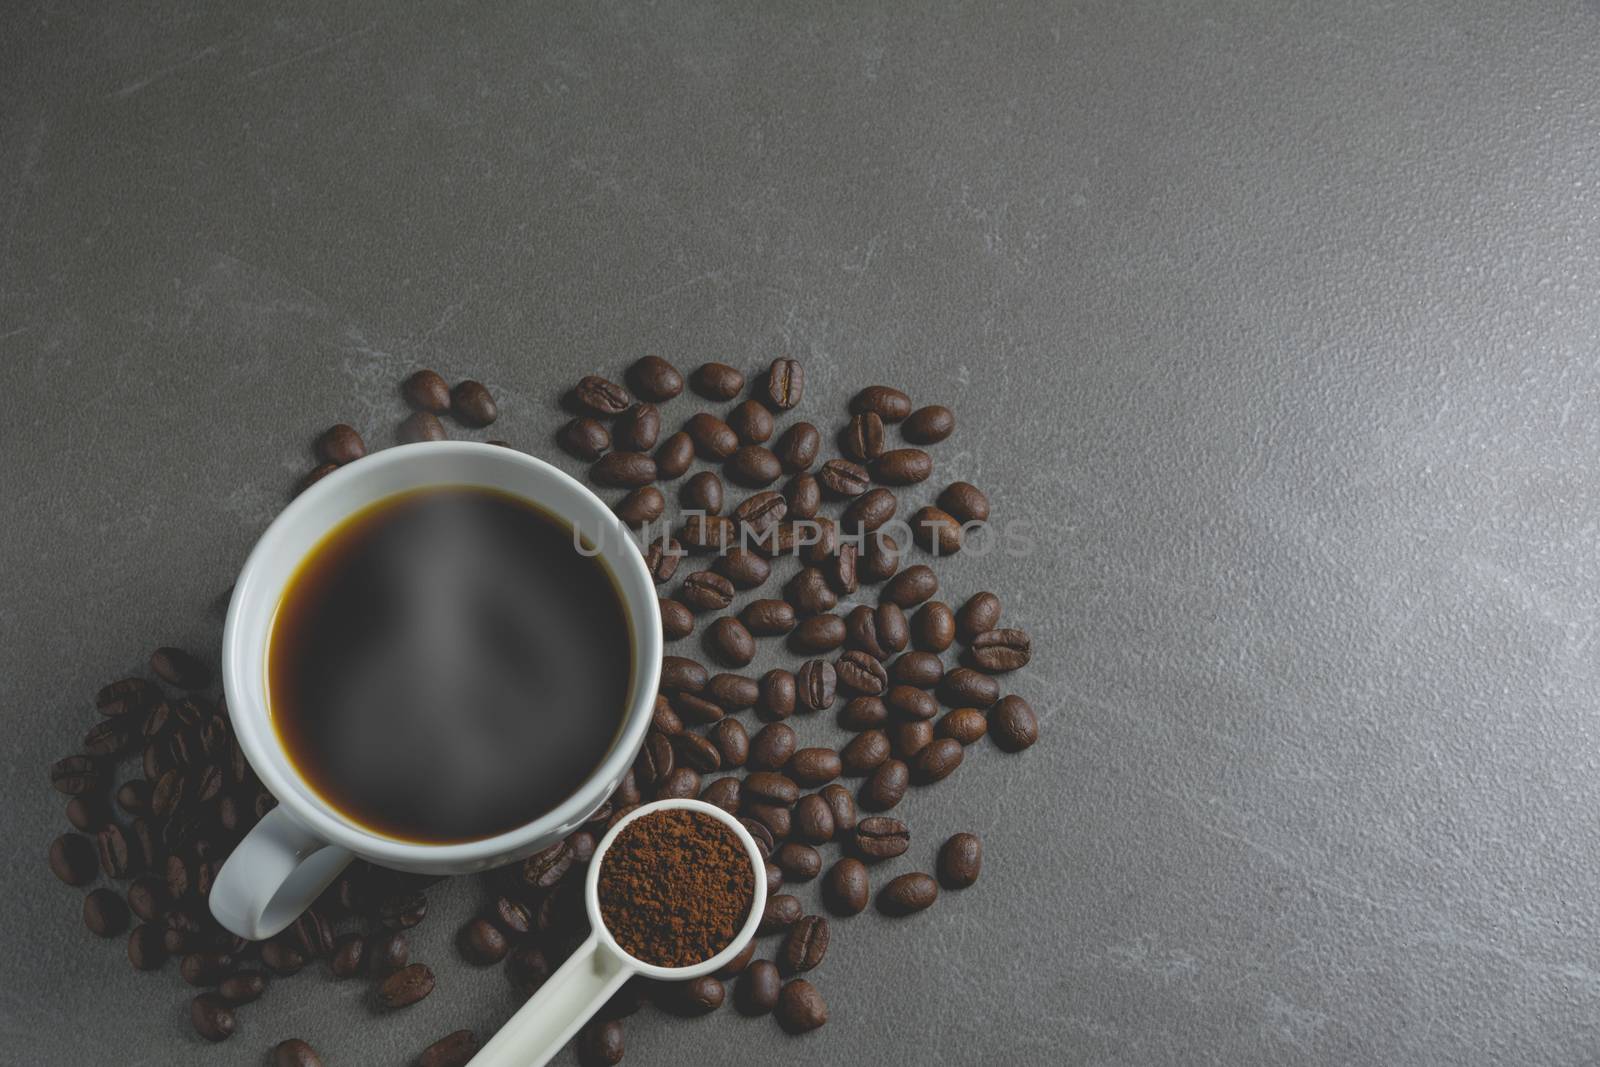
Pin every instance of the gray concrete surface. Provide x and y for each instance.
(1282, 320)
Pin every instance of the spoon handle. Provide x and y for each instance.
(542, 1026)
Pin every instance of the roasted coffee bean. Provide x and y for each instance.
(778, 695)
(908, 894)
(624, 470)
(549, 865)
(683, 674)
(627, 792)
(812, 767)
(862, 438)
(879, 559)
(716, 381)
(211, 1017)
(797, 448)
(887, 403)
(909, 702)
(762, 837)
(843, 806)
(752, 422)
(129, 695)
(861, 672)
(663, 719)
(598, 396)
(282, 959)
(600, 1043)
(777, 818)
(758, 988)
(697, 752)
(781, 912)
(708, 533)
(322, 470)
(937, 760)
(879, 632)
(965, 686)
(813, 819)
(768, 618)
(869, 511)
(655, 760)
(104, 913)
(921, 669)
(760, 512)
(696, 709)
(242, 987)
(205, 968)
(980, 614)
(698, 996)
(76, 775)
(815, 542)
(799, 863)
(420, 426)
(998, 651)
(723, 793)
(311, 934)
(784, 384)
(844, 479)
(734, 692)
(677, 621)
(706, 591)
(133, 796)
(73, 859)
(171, 790)
(744, 568)
(661, 559)
(682, 784)
(815, 684)
(402, 911)
(109, 737)
(426, 391)
(937, 533)
(1013, 725)
(929, 425)
(703, 492)
(638, 428)
(406, 986)
(528, 969)
(847, 888)
(146, 950)
(803, 495)
(770, 787)
(654, 378)
(732, 743)
(482, 943)
(911, 586)
(581, 844)
(965, 725)
(714, 440)
(753, 466)
(933, 628)
(805, 945)
(819, 633)
(879, 837)
(772, 747)
(863, 713)
(964, 502)
(295, 1053)
(349, 956)
(644, 505)
(118, 858)
(585, 438)
(147, 896)
(674, 456)
(179, 668)
(208, 784)
(810, 593)
(886, 786)
(473, 404)
(841, 570)
(800, 1007)
(960, 860)
(863, 754)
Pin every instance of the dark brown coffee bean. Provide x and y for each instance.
(597, 396)
(179, 668)
(133, 796)
(863, 713)
(745, 569)
(862, 437)
(348, 956)
(879, 557)
(698, 996)
(549, 865)
(706, 591)
(815, 684)
(966, 725)
(929, 425)
(281, 959)
(600, 1043)
(663, 719)
(212, 1019)
(879, 837)
(1013, 725)
(935, 532)
(768, 618)
(655, 760)
(781, 912)
(810, 592)
(965, 503)
(473, 404)
(800, 1007)
(998, 651)
(812, 767)
(802, 498)
(886, 786)
(482, 943)
(843, 806)
(772, 747)
(129, 695)
(861, 672)
(674, 456)
(147, 896)
(813, 819)
(528, 969)
(937, 760)
(879, 632)
(960, 860)
(911, 586)
(863, 754)
(840, 570)
(697, 752)
(908, 894)
(760, 512)
(73, 859)
(171, 790)
(624, 470)
(934, 627)
(205, 968)
(242, 987)
(909, 738)
(869, 511)
(714, 439)
(708, 533)
(295, 1053)
(683, 674)
(784, 384)
(887, 403)
(654, 378)
(844, 479)
(910, 702)
(753, 466)
(762, 837)
(964, 686)
(819, 633)
(703, 492)
(340, 444)
(118, 859)
(921, 669)
(146, 950)
(642, 506)
(980, 614)
(798, 447)
(776, 818)
(426, 391)
(406, 986)
(315, 475)
(752, 422)
(723, 793)
(638, 428)
(847, 888)
(716, 381)
(777, 697)
(732, 744)
(104, 913)
(770, 787)
(661, 559)
(585, 438)
(677, 621)
(800, 863)
(758, 988)
(805, 945)
(682, 784)
(734, 692)
(420, 426)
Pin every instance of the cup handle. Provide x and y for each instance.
(542, 1027)
(273, 876)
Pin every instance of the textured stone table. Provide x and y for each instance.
(1282, 322)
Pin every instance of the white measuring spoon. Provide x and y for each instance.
(550, 1018)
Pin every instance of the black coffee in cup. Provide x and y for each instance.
(446, 665)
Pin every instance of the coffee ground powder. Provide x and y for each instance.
(675, 887)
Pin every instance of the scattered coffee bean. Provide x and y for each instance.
(966, 725)
(909, 702)
(714, 439)
(770, 787)
(844, 479)
(879, 837)
(340, 444)
(782, 911)
(601, 397)
(698, 996)
(813, 819)
(860, 671)
(964, 502)
(723, 793)
(146, 948)
(803, 495)
(1013, 725)
(295, 1053)
(697, 753)
(998, 651)
(674, 456)
(805, 945)
(879, 632)
(778, 695)
(703, 492)
(242, 987)
(730, 643)
(843, 806)
(600, 1043)
(911, 586)
(638, 428)
(179, 668)
(964, 686)
(104, 913)
(869, 511)
(212, 1019)
(528, 969)
(908, 894)
(654, 379)
(846, 889)
(473, 404)
(891, 405)
(732, 742)
(73, 859)
(863, 713)
(349, 956)
(426, 391)
(753, 466)
(406, 986)
(980, 614)
(134, 795)
(880, 558)
(642, 506)
(87, 813)
(734, 692)
(677, 621)
(862, 438)
(752, 422)
(758, 988)
(810, 592)
(420, 426)
(936, 532)
(708, 533)
(864, 753)
(205, 968)
(937, 760)
(800, 1007)
(812, 767)
(921, 669)
(772, 747)
(585, 438)
(960, 860)
(800, 862)
(886, 786)
(817, 634)
(744, 568)
(716, 381)
(315, 475)
(281, 959)
(760, 512)
(768, 618)
(933, 628)
(816, 682)
(624, 470)
(784, 384)
(706, 591)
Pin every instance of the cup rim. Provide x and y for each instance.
(758, 865)
(260, 741)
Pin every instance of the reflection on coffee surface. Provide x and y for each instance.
(446, 665)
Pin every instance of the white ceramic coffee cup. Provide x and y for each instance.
(301, 845)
